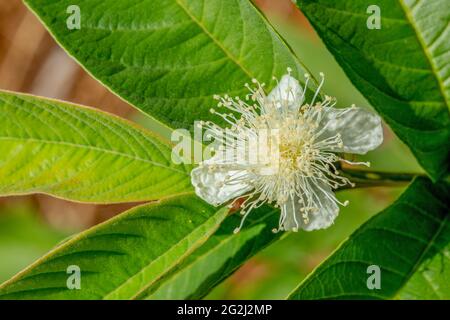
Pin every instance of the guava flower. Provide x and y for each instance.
(302, 143)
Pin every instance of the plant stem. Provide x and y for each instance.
(369, 178)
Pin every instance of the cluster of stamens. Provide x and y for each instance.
(293, 149)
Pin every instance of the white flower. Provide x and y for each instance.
(299, 171)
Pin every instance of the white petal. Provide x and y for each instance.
(287, 94)
(361, 130)
(210, 186)
(320, 219)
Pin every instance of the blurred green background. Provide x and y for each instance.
(30, 226)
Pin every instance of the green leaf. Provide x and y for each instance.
(169, 57)
(409, 241)
(432, 279)
(402, 69)
(122, 256)
(82, 154)
(221, 255)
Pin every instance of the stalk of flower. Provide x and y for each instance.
(281, 150)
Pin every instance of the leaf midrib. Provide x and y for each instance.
(93, 148)
(419, 261)
(219, 245)
(174, 263)
(216, 41)
(420, 40)
(386, 116)
(428, 55)
(407, 277)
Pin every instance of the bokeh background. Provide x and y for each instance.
(31, 61)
